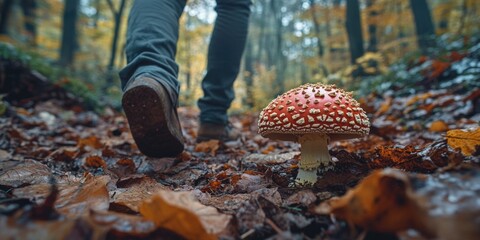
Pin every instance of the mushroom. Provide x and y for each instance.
(313, 115)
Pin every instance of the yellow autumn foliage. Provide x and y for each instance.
(468, 141)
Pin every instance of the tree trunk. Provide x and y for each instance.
(249, 100)
(29, 7)
(354, 30)
(316, 26)
(328, 30)
(372, 27)
(69, 32)
(118, 21)
(188, 60)
(96, 17)
(423, 24)
(280, 58)
(463, 17)
(261, 37)
(5, 15)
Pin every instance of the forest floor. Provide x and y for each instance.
(66, 172)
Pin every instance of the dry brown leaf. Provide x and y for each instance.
(18, 173)
(95, 162)
(91, 141)
(65, 154)
(304, 197)
(91, 194)
(468, 141)
(382, 202)
(75, 198)
(438, 126)
(271, 158)
(132, 195)
(4, 155)
(384, 107)
(180, 212)
(210, 146)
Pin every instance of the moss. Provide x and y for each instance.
(55, 74)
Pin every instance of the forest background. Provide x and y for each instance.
(351, 43)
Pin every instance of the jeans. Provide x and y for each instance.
(152, 35)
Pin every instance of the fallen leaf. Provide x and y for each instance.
(131, 195)
(92, 141)
(180, 212)
(249, 183)
(452, 202)
(438, 126)
(91, 194)
(4, 155)
(64, 154)
(227, 203)
(95, 162)
(19, 173)
(58, 229)
(271, 158)
(304, 198)
(74, 199)
(468, 141)
(384, 107)
(210, 146)
(407, 158)
(383, 202)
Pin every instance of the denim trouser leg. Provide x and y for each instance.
(224, 54)
(152, 35)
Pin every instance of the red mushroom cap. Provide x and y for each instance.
(313, 108)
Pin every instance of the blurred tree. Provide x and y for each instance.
(354, 30)
(372, 13)
(318, 34)
(423, 24)
(5, 15)
(280, 60)
(249, 99)
(316, 26)
(29, 7)
(117, 18)
(69, 32)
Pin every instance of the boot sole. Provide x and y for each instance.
(147, 112)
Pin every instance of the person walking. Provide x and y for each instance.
(150, 78)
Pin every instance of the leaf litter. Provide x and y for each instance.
(69, 172)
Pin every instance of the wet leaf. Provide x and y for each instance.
(90, 194)
(438, 126)
(74, 198)
(135, 192)
(249, 183)
(468, 141)
(4, 155)
(227, 203)
(407, 158)
(180, 212)
(382, 202)
(95, 162)
(272, 158)
(19, 173)
(210, 146)
(304, 198)
(65, 154)
(92, 141)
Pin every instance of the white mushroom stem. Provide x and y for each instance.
(314, 153)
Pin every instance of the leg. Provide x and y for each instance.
(224, 55)
(152, 35)
(149, 80)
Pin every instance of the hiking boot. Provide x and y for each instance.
(152, 118)
(208, 131)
